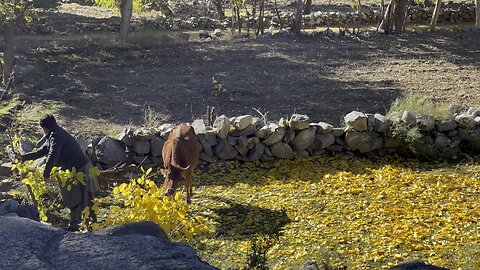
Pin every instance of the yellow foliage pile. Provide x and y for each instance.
(345, 212)
(142, 200)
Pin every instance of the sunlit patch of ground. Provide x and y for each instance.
(346, 212)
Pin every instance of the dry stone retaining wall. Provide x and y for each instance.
(248, 138)
(419, 14)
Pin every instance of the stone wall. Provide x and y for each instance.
(418, 14)
(248, 138)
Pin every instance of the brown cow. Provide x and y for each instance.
(180, 155)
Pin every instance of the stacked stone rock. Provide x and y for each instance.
(247, 138)
(451, 13)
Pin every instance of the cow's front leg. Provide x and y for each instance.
(188, 187)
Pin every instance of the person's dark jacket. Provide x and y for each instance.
(61, 149)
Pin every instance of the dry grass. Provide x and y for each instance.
(419, 104)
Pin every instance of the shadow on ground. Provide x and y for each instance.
(238, 221)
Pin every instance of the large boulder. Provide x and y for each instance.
(110, 151)
(28, 244)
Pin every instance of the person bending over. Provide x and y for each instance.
(62, 150)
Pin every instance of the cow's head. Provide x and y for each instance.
(173, 176)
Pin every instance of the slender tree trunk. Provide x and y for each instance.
(386, 23)
(233, 18)
(261, 25)
(477, 9)
(126, 9)
(382, 11)
(399, 17)
(308, 7)
(278, 15)
(219, 6)
(9, 55)
(239, 18)
(298, 17)
(247, 15)
(436, 12)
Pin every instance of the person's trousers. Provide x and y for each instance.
(85, 201)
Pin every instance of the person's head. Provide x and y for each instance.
(48, 122)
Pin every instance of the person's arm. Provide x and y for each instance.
(43, 151)
(56, 145)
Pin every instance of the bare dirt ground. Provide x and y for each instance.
(96, 87)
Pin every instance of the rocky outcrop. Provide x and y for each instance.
(27, 244)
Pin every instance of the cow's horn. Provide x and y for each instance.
(180, 167)
(186, 168)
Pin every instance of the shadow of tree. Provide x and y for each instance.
(239, 221)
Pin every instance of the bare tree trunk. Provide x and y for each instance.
(9, 55)
(239, 18)
(382, 11)
(308, 7)
(247, 15)
(477, 9)
(278, 15)
(399, 17)
(298, 17)
(233, 18)
(386, 23)
(261, 25)
(126, 9)
(219, 6)
(436, 12)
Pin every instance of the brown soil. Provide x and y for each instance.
(101, 85)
